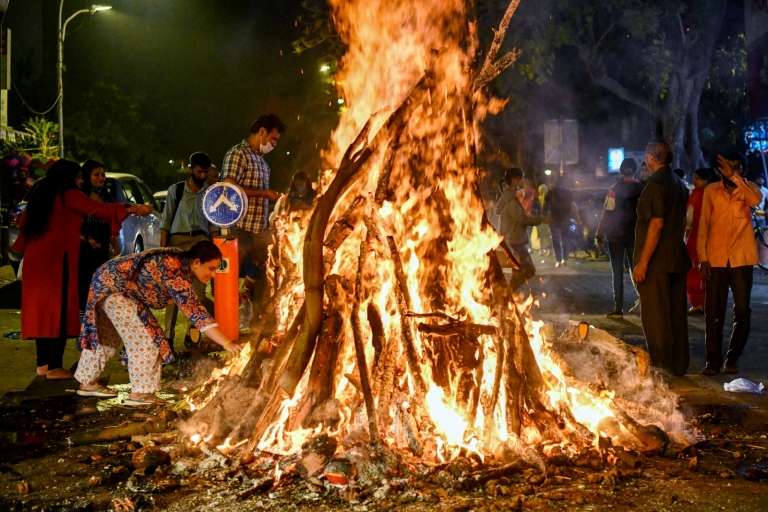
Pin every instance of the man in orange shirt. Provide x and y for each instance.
(727, 251)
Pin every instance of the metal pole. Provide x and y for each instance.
(762, 155)
(60, 69)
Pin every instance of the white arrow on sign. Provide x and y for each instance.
(222, 200)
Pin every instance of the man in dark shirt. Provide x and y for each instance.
(662, 263)
(617, 227)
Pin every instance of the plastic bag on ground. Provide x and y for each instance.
(246, 314)
(743, 386)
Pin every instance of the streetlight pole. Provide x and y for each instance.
(60, 67)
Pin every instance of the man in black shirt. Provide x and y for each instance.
(662, 263)
(617, 226)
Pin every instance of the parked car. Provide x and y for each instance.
(137, 233)
(160, 198)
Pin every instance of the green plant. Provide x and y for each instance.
(45, 133)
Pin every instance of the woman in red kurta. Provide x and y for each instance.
(695, 284)
(50, 241)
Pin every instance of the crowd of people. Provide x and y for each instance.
(73, 286)
(680, 244)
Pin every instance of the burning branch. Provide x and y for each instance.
(491, 69)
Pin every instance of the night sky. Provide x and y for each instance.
(206, 69)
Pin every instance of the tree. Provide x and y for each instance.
(654, 54)
(108, 125)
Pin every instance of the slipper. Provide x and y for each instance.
(128, 402)
(98, 392)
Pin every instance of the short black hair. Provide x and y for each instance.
(661, 151)
(268, 122)
(679, 173)
(628, 167)
(707, 174)
(199, 159)
(513, 173)
(733, 156)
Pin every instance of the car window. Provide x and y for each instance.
(132, 191)
(148, 197)
(111, 188)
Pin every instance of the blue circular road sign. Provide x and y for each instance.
(224, 204)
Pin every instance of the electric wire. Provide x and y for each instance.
(27, 104)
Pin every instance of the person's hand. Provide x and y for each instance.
(93, 243)
(144, 210)
(245, 296)
(640, 272)
(599, 244)
(724, 167)
(272, 195)
(705, 269)
(232, 347)
(546, 220)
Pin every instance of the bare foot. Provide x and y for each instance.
(42, 371)
(60, 374)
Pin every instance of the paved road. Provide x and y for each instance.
(581, 291)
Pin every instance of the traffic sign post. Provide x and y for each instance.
(224, 205)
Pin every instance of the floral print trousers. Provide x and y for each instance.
(118, 322)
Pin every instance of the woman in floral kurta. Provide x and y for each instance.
(122, 292)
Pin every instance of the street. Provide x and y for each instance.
(733, 423)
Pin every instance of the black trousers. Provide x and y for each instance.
(50, 351)
(620, 250)
(739, 280)
(560, 242)
(526, 271)
(665, 320)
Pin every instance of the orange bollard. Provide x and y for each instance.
(226, 293)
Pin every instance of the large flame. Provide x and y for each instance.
(435, 217)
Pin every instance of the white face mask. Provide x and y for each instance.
(265, 148)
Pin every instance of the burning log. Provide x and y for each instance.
(404, 304)
(410, 429)
(357, 333)
(320, 385)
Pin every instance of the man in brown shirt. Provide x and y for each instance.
(727, 251)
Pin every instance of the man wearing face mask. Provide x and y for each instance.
(183, 225)
(244, 165)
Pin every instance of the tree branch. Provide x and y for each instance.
(492, 71)
(491, 68)
(622, 92)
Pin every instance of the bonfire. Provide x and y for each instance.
(391, 332)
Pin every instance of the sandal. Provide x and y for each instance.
(139, 402)
(100, 392)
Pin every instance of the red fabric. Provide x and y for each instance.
(43, 259)
(696, 199)
(695, 286)
(526, 197)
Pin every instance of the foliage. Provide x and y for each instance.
(724, 104)
(108, 125)
(319, 30)
(45, 133)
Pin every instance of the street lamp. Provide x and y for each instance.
(62, 34)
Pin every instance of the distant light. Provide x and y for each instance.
(341, 101)
(170, 161)
(325, 68)
(96, 8)
(287, 152)
(548, 172)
